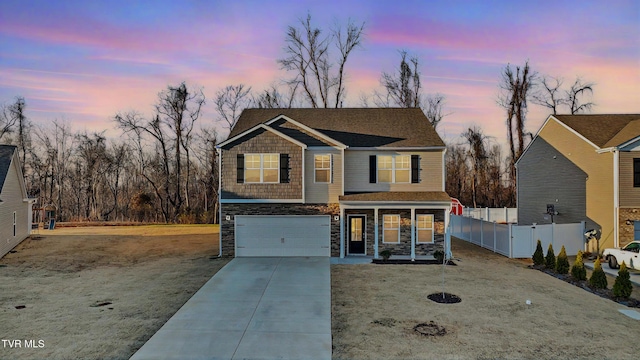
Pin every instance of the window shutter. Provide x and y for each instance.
(372, 169)
(330, 168)
(415, 169)
(284, 168)
(240, 167)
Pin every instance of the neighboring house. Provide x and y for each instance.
(15, 207)
(332, 182)
(588, 168)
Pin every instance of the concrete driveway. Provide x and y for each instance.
(253, 308)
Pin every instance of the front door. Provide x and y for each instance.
(356, 234)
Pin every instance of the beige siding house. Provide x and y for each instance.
(332, 182)
(15, 207)
(602, 154)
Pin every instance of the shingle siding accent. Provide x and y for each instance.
(546, 176)
(227, 227)
(261, 142)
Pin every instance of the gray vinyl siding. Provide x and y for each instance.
(356, 169)
(629, 195)
(12, 197)
(322, 193)
(545, 176)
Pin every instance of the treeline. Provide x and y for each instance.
(164, 167)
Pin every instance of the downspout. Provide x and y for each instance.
(303, 176)
(616, 198)
(219, 151)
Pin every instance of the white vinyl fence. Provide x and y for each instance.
(518, 241)
(499, 215)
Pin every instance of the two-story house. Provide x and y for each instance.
(588, 168)
(332, 182)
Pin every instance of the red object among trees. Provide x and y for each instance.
(456, 207)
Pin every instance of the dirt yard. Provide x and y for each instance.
(100, 292)
(376, 307)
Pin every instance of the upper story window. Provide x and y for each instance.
(322, 165)
(636, 172)
(261, 168)
(394, 168)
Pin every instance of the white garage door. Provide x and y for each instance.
(280, 235)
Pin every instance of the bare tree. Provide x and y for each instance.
(230, 102)
(308, 55)
(513, 98)
(548, 94)
(404, 88)
(478, 156)
(7, 121)
(433, 108)
(577, 91)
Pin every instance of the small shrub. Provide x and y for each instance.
(562, 263)
(550, 259)
(439, 255)
(577, 270)
(598, 279)
(538, 255)
(386, 254)
(622, 287)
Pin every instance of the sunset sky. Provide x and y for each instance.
(84, 61)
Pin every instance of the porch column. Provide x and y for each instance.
(413, 234)
(341, 232)
(375, 232)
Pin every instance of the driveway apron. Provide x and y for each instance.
(253, 308)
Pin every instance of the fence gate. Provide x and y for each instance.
(521, 240)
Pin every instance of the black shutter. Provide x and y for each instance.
(372, 169)
(284, 168)
(415, 169)
(240, 167)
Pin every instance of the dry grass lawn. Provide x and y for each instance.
(375, 307)
(145, 272)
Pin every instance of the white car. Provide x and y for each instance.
(630, 254)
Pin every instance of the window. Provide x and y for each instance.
(261, 168)
(424, 228)
(391, 229)
(385, 169)
(394, 169)
(323, 168)
(636, 172)
(14, 224)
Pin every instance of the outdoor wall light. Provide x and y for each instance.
(336, 217)
(228, 217)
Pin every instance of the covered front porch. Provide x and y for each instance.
(407, 224)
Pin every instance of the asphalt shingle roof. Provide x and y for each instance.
(6, 153)
(604, 130)
(355, 127)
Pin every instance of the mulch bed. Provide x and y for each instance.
(603, 293)
(444, 298)
(409, 262)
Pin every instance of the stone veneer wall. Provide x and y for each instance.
(261, 142)
(626, 231)
(227, 227)
(404, 247)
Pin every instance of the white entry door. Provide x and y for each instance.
(283, 235)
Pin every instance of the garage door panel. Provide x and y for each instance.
(283, 235)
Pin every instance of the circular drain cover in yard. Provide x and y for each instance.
(444, 298)
(430, 329)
